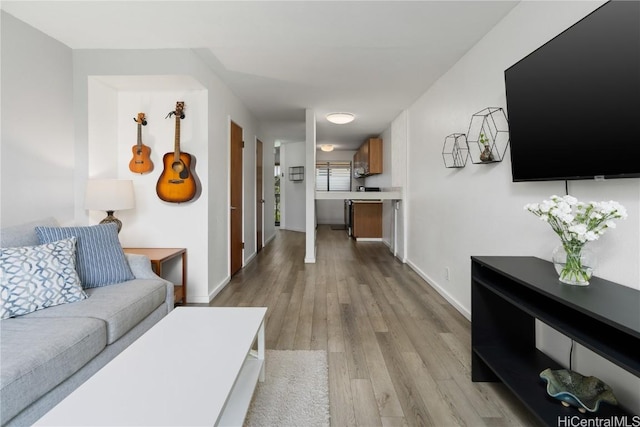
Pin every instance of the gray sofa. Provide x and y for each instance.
(47, 354)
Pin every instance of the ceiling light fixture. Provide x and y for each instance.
(340, 118)
(326, 147)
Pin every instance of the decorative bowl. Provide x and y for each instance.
(571, 388)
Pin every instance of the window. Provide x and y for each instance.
(333, 176)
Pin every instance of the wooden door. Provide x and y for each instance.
(235, 210)
(259, 195)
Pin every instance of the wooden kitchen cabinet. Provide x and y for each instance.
(368, 159)
(367, 219)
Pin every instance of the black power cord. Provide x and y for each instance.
(571, 355)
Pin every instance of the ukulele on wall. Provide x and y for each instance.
(140, 162)
(177, 183)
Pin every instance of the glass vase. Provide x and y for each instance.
(574, 263)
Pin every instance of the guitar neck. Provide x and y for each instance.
(139, 135)
(176, 146)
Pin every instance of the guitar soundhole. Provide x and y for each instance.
(177, 167)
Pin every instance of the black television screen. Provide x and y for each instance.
(574, 103)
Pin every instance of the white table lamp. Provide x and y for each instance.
(109, 195)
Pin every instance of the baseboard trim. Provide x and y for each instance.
(220, 286)
(266, 242)
(248, 260)
(217, 289)
(450, 299)
(299, 230)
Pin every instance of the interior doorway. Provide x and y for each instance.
(235, 208)
(259, 195)
(277, 175)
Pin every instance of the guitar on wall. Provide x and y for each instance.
(141, 160)
(177, 183)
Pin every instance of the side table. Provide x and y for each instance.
(158, 256)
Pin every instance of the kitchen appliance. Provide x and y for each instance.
(363, 188)
(348, 216)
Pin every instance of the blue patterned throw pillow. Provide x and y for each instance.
(100, 258)
(37, 277)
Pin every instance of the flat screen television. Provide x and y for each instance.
(574, 103)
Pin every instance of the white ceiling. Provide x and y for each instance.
(371, 58)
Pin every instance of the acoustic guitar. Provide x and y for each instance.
(141, 160)
(177, 183)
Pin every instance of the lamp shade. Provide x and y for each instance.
(109, 195)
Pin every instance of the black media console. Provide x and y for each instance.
(509, 293)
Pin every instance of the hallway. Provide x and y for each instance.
(399, 354)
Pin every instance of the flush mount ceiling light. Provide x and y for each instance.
(340, 118)
(326, 147)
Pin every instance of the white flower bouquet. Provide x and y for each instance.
(577, 223)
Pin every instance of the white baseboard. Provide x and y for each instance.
(266, 242)
(248, 260)
(368, 239)
(218, 288)
(451, 300)
(299, 230)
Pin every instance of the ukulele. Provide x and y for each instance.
(177, 183)
(141, 162)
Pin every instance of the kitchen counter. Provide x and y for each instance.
(359, 195)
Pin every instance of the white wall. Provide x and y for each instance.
(62, 123)
(207, 137)
(293, 193)
(399, 135)
(112, 133)
(478, 210)
(38, 159)
(310, 186)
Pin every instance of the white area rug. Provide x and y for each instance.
(295, 392)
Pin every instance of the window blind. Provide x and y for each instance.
(333, 176)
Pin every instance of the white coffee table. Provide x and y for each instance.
(196, 367)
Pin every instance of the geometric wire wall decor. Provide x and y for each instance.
(296, 173)
(455, 151)
(488, 135)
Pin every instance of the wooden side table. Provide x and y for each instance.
(159, 256)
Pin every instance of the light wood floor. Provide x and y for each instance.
(399, 354)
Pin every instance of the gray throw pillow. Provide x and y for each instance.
(100, 258)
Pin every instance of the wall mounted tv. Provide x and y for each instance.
(574, 103)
